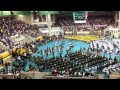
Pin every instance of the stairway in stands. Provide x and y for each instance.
(28, 38)
(3, 46)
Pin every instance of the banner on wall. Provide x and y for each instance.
(80, 16)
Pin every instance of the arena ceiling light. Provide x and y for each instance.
(91, 11)
(1, 13)
(33, 11)
(20, 16)
(5, 13)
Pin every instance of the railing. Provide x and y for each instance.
(53, 31)
(67, 77)
(115, 76)
(33, 74)
(7, 76)
(29, 37)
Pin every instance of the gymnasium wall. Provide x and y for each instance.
(101, 13)
(25, 18)
(69, 13)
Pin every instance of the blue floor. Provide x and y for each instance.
(77, 45)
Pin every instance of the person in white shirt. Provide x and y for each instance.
(24, 54)
(33, 46)
(83, 74)
(19, 58)
(56, 43)
(71, 45)
(79, 73)
(17, 74)
(63, 72)
(75, 74)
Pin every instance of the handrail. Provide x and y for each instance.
(57, 77)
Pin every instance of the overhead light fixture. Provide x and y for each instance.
(20, 15)
(33, 11)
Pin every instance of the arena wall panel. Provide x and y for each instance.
(25, 18)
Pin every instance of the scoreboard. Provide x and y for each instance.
(80, 16)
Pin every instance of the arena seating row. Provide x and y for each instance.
(96, 22)
(9, 26)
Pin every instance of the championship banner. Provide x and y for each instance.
(80, 16)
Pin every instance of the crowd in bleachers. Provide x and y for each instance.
(9, 26)
(20, 56)
(101, 20)
(1, 48)
(93, 22)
